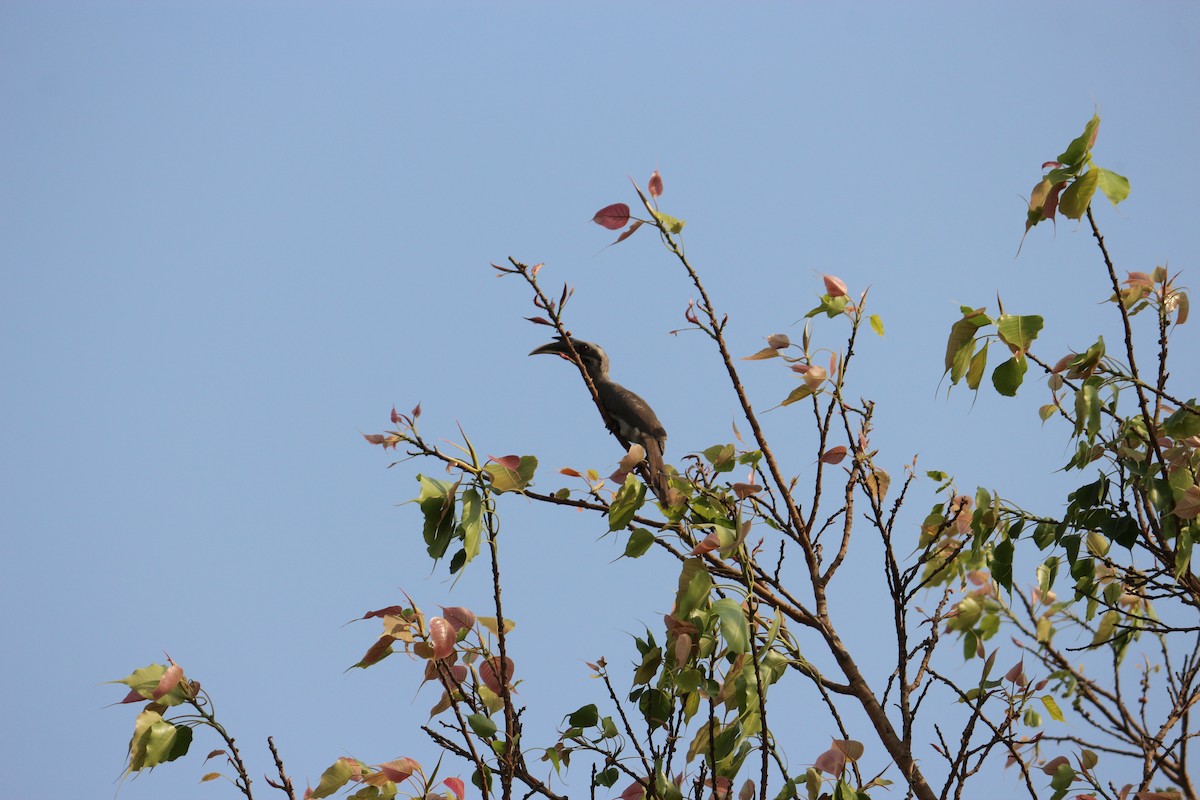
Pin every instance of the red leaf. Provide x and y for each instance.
(377, 652)
(489, 671)
(375, 438)
(569, 472)
(612, 217)
(390, 611)
(637, 223)
(834, 455)
(457, 786)
(778, 340)
(655, 187)
(834, 286)
(635, 790)
(132, 697)
(1053, 764)
(416, 412)
(540, 321)
(536, 268)
(459, 617)
(690, 314)
(508, 462)
(395, 416)
(441, 636)
(399, 770)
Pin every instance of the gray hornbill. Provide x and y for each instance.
(629, 417)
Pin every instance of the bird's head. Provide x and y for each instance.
(594, 359)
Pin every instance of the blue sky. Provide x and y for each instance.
(233, 235)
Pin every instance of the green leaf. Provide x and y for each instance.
(978, 365)
(609, 728)
(1002, 558)
(830, 306)
(1184, 423)
(721, 456)
(655, 707)
(482, 725)
(145, 680)
(694, 586)
(735, 629)
(608, 777)
(1114, 186)
(335, 777)
(1078, 196)
(639, 542)
(630, 497)
(962, 336)
(437, 504)
(799, 393)
(670, 223)
(584, 717)
(471, 526)
(1081, 146)
(1052, 708)
(507, 480)
(876, 324)
(1008, 376)
(1018, 332)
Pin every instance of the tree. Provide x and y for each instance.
(1106, 636)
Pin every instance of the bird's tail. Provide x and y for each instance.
(656, 472)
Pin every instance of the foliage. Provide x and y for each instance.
(757, 553)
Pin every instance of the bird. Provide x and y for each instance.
(628, 416)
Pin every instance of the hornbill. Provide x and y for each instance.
(628, 416)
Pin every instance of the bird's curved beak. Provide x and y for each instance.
(556, 348)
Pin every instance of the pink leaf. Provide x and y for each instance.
(374, 438)
(834, 455)
(457, 786)
(540, 321)
(612, 217)
(395, 416)
(778, 340)
(168, 681)
(441, 636)
(831, 762)
(416, 412)
(710, 543)
(744, 490)
(683, 648)
(637, 223)
(690, 314)
(655, 187)
(834, 286)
